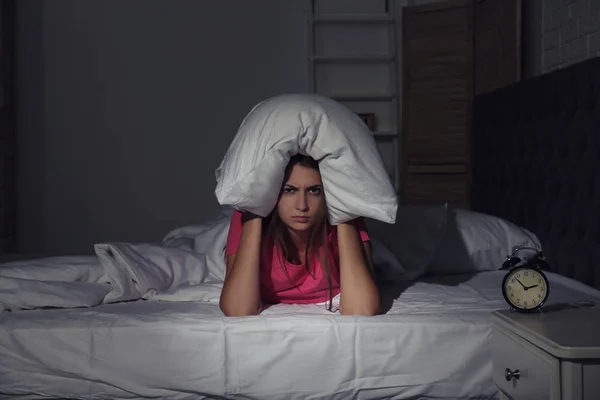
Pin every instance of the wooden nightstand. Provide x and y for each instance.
(548, 356)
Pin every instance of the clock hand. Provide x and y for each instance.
(524, 287)
(531, 287)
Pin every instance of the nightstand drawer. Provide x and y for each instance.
(535, 373)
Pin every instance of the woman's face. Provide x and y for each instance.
(302, 198)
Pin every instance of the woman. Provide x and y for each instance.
(294, 256)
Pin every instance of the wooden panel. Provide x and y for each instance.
(437, 169)
(437, 189)
(437, 96)
(437, 68)
(497, 41)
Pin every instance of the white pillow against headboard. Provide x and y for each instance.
(412, 241)
(478, 242)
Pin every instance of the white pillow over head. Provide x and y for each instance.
(354, 177)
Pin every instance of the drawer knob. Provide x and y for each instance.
(512, 374)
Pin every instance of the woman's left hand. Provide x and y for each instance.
(358, 292)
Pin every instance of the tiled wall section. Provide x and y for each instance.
(570, 32)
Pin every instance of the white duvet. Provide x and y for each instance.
(189, 265)
(433, 343)
(182, 268)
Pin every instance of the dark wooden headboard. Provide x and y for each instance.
(536, 162)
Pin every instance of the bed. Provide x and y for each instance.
(142, 321)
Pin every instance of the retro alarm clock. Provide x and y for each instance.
(525, 286)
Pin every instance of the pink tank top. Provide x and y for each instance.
(297, 286)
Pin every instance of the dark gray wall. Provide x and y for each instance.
(127, 107)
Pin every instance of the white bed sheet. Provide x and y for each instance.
(432, 343)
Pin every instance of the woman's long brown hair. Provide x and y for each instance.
(317, 245)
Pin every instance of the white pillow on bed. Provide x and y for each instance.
(355, 180)
(478, 242)
(412, 240)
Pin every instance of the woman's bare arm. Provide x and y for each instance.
(359, 293)
(241, 290)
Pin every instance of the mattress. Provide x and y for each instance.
(433, 342)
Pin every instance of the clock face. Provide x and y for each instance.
(525, 288)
